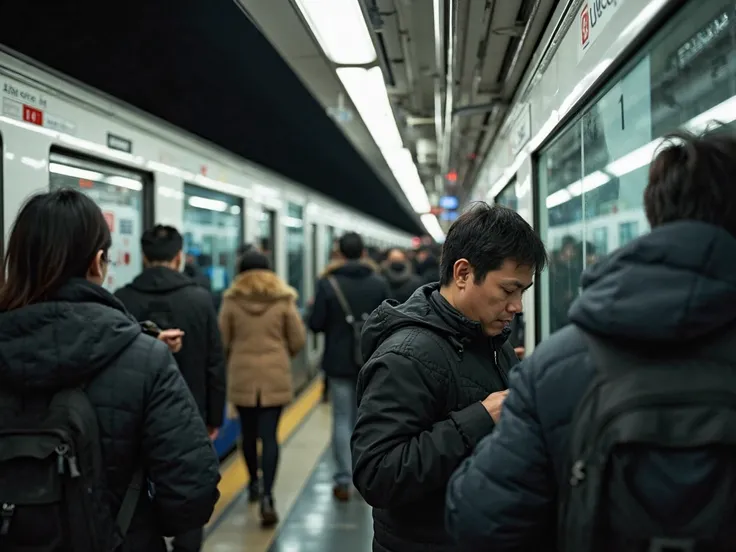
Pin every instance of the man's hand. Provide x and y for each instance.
(520, 352)
(213, 432)
(172, 338)
(494, 402)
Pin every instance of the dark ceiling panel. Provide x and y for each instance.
(204, 67)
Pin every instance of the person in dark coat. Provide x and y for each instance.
(428, 264)
(673, 286)
(167, 297)
(400, 276)
(364, 290)
(435, 376)
(59, 328)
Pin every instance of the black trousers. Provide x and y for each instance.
(189, 542)
(261, 422)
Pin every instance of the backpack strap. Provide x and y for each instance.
(130, 503)
(342, 300)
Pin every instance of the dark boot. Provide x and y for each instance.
(269, 517)
(254, 492)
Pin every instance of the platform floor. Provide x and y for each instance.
(311, 519)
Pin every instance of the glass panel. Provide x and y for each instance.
(507, 197)
(214, 229)
(295, 249)
(329, 244)
(119, 193)
(594, 174)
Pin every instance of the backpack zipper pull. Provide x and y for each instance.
(61, 452)
(7, 515)
(73, 468)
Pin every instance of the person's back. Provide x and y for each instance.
(666, 303)
(400, 276)
(173, 300)
(348, 284)
(60, 330)
(435, 376)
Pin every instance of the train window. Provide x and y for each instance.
(120, 194)
(329, 243)
(593, 174)
(2, 195)
(266, 234)
(214, 229)
(507, 197)
(294, 223)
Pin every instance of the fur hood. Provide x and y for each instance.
(257, 289)
(338, 264)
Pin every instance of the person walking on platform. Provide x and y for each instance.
(347, 294)
(621, 425)
(436, 375)
(170, 299)
(400, 276)
(261, 331)
(88, 402)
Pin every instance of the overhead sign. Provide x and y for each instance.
(119, 143)
(448, 202)
(23, 103)
(592, 19)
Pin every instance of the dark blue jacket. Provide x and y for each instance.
(674, 285)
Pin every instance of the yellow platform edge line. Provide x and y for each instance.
(235, 476)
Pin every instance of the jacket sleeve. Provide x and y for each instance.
(296, 333)
(179, 458)
(503, 496)
(400, 451)
(215, 371)
(318, 315)
(224, 322)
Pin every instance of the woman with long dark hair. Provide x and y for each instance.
(60, 330)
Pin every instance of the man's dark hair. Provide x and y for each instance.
(692, 178)
(486, 236)
(351, 246)
(253, 260)
(161, 243)
(244, 248)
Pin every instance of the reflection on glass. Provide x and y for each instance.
(266, 232)
(592, 176)
(119, 193)
(295, 249)
(213, 224)
(329, 243)
(507, 197)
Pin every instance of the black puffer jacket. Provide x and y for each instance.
(402, 281)
(420, 414)
(364, 290)
(146, 413)
(676, 285)
(173, 300)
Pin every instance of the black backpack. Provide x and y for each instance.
(652, 463)
(52, 477)
(356, 324)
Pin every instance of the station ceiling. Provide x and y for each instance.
(207, 67)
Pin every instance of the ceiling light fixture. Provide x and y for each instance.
(432, 225)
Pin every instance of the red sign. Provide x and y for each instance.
(109, 219)
(436, 210)
(585, 25)
(32, 115)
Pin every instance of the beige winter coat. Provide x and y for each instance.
(261, 330)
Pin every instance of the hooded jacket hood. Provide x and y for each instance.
(256, 290)
(676, 283)
(351, 269)
(397, 274)
(426, 308)
(160, 279)
(65, 341)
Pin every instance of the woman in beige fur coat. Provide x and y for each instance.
(261, 331)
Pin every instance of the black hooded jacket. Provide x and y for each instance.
(402, 281)
(673, 287)
(146, 414)
(173, 300)
(420, 414)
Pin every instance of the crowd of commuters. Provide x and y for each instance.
(618, 433)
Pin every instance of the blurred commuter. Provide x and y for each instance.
(261, 331)
(400, 276)
(195, 272)
(162, 294)
(121, 405)
(653, 343)
(347, 294)
(435, 378)
(427, 262)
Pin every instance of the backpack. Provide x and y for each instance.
(52, 477)
(356, 324)
(652, 463)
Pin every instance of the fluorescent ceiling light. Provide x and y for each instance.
(340, 29)
(124, 182)
(207, 203)
(405, 171)
(368, 93)
(74, 172)
(432, 225)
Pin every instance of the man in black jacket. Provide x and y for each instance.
(436, 375)
(162, 294)
(363, 290)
